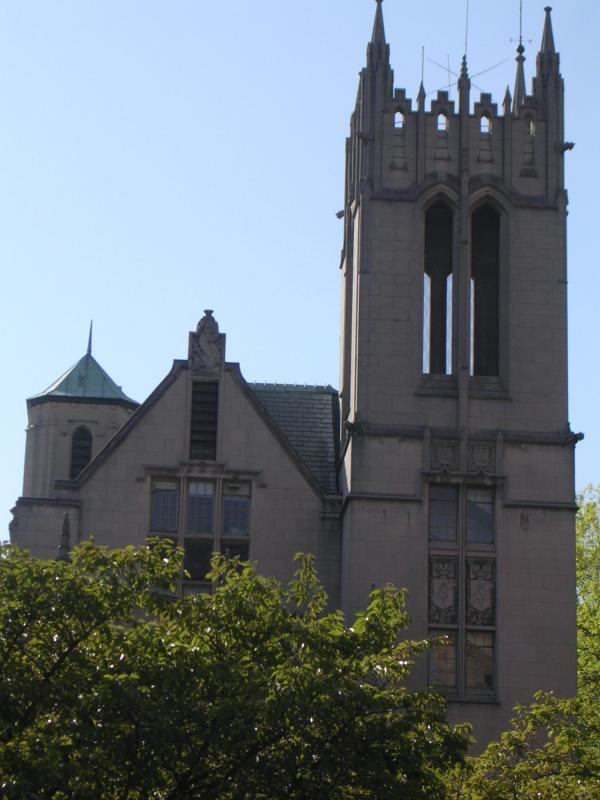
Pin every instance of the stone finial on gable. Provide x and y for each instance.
(206, 346)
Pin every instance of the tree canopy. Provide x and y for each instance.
(113, 687)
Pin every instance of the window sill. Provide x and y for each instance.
(487, 387)
(488, 700)
(437, 386)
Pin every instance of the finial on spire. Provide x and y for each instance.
(64, 547)
(464, 70)
(378, 27)
(89, 347)
(520, 88)
(548, 47)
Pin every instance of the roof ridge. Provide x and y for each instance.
(308, 387)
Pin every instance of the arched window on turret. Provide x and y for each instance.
(485, 125)
(437, 290)
(485, 284)
(398, 120)
(81, 450)
(442, 123)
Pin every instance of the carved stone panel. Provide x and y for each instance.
(481, 591)
(443, 591)
(482, 457)
(445, 455)
(207, 345)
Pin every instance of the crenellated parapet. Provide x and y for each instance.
(517, 145)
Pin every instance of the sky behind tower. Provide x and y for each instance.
(159, 158)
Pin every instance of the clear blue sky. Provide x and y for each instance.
(159, 158)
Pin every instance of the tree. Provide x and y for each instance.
(552, 749)
(113, 687)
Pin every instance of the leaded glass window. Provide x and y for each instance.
(443, 591)
(442, 660)
(480, 660)
(480, 604)
(462, 589)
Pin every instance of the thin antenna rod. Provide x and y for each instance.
(449, 78)
(521, 22)
(422, 63)
(467, 30)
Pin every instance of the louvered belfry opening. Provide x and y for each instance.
(203, 437)
(485, 274)
(438, 269)
(81, 451)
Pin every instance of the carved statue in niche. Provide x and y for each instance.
(207, 345)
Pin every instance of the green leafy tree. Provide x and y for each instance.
(113, 687)
(552, 750)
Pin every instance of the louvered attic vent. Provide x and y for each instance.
(203, 439)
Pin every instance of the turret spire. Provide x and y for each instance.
(378, 26)
(89, 347)
(548, 47)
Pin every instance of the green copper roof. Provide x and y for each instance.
(86, 380)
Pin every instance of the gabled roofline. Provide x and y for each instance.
(180, 365)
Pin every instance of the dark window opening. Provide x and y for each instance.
(485, 307)
(203, 438)
(197, 558)
(81, 451)
(437, 306)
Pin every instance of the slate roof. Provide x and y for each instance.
(308, 417)
(85, 380)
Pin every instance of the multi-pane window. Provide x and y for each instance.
(215, 517)
(462, 589)
(164, 506)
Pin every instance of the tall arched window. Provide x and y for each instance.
(81, 450)
(437, 291)
(485, 306)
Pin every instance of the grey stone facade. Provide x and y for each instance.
(444, 465)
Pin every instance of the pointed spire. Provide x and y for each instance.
(520, 88)
(464, 70)
(507, 102)
(378, 27)
(64, 547)
(89, 347)
(548, 47)
(421, 98)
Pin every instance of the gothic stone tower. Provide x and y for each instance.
(457, 456)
